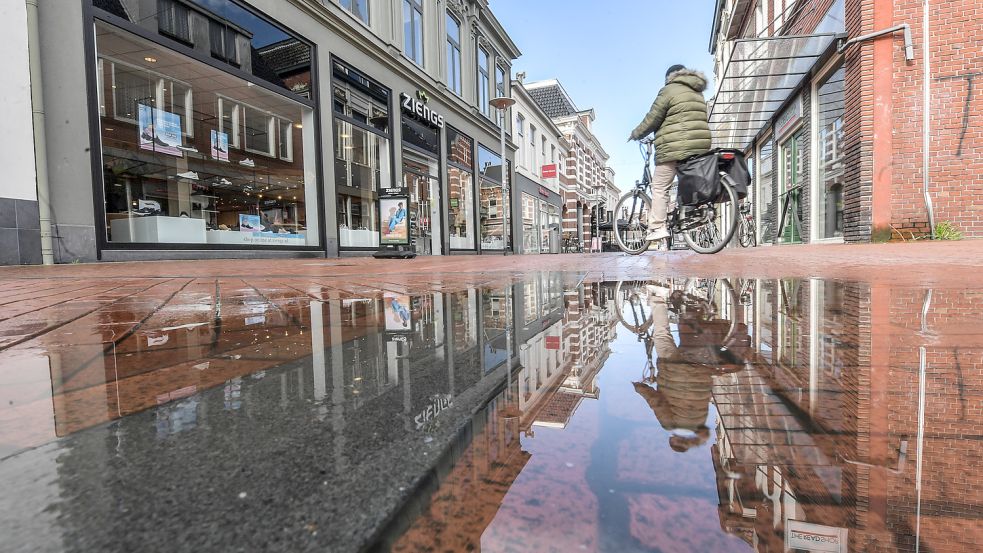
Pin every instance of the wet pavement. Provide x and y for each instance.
(180, 413)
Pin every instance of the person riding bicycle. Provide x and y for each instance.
(678, 118)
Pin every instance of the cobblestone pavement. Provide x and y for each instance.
(333, 404)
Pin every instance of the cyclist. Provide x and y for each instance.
(678, 118)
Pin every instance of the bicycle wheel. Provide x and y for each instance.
(632, 226)
(632, 306)
(746, 237)
(700, 229)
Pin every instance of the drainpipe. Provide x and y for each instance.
(926, 117)
(40, 148)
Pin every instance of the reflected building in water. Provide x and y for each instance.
(853, 423)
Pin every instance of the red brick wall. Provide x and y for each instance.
(956, 67)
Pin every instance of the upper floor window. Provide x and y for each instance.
(520, 124)
(532, 145)
(552, 153)
(223, 43)
(359, 8)
(453, 54)
(500, 81)
(174, 19)
(413, 30)
(483, 82)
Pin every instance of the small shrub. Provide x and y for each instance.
(944, 230)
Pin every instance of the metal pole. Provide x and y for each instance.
(40, 140)
(927, 119)
(506, 201)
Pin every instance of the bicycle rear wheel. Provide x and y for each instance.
(631, 222)
(700, 227)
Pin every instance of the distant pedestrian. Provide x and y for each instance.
(678, 118)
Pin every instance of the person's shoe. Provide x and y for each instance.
(657, 234)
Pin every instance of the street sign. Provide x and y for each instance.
(549, 171)
(552, 342)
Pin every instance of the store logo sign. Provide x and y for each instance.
(815, 537)
(420, 110)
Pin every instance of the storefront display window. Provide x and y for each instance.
(830, 98)
(362, 154)
(460, 185)
(492, 206)
(530, 224)
(549, 227)
(190, 152)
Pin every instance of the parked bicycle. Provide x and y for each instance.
(698, 223)
(745, 232)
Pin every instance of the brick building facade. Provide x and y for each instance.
(838, 138)
(586, 181)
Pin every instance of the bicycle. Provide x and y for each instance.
(697, 224)
(745, 232)
(694, 301)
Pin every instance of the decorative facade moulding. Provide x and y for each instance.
(458, 7)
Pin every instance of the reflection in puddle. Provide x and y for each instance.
(674, 415)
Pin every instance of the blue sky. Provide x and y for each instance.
(611, 55)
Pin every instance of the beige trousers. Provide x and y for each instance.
(662, 179)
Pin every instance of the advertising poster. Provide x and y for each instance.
(160, 131)
(395, 227)
(398, 317)
(220, 146)
(249, 223)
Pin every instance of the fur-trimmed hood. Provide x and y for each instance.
(693, 79)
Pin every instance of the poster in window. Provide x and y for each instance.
(249, 223)
(160, 131)
(398, 315)
(395, 228)
(220, 146)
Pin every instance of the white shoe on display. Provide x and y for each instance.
(247, 163)
(190, 175)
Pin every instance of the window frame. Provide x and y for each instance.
(483, 82)
(350, 8)
(176, 6)
(415, 18)
(455, 54)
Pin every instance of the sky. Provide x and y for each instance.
(610, 55)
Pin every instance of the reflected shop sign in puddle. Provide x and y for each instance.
(548, 413)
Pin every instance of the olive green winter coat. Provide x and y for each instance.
(679, 118)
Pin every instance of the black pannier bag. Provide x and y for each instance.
(698, 179)
(736, 169)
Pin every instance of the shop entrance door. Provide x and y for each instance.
(790, 222)
(421, 181)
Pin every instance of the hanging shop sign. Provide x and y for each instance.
(553, 342)
(421, 111)
(549, 171)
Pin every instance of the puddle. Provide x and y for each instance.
(673, 415)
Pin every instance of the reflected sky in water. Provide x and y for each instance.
(668, 415)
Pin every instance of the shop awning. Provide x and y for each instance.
(761, 75)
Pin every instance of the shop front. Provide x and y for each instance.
(439, 203)
(258, 128)
(206, 130)
(539, 213)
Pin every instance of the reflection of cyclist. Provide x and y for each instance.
(678, 118)
(681, 400)
(707, 346)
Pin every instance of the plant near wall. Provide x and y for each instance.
(945, 230)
